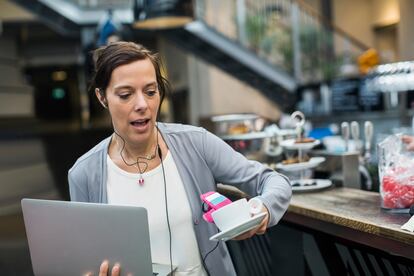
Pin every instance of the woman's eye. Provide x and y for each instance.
(151, 92)
(124, 96)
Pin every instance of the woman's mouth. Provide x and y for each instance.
(140, 125)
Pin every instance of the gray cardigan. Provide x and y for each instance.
(202, 160)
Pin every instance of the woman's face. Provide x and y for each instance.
(133, 99)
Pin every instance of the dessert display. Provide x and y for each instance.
(301, 161)
(244, 133)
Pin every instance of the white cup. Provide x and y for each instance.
(232, 214)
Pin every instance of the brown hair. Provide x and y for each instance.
(108, 58)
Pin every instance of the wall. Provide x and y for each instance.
(175, 61)
(406, 30)
(175, 70)
(228, 95)
(386, 42)
(385, 12)
(12, 12)
(371, 21)
(199, 88)
(214, 92)
(354, 17)
(385, 19)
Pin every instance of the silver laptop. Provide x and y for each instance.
(73, 238)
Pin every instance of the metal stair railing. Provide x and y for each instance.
(286, 33)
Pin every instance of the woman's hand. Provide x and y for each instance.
(104, 268)
(259, 230)
(409, 141)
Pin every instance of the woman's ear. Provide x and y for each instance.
(101, 97)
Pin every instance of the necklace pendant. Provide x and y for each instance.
(141, 181)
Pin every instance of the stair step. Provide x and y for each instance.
(24, 181)
(24, 151)
(10, 75)
(17, 88)
(9, 61)
(17, 104)
(14, 206)
(7, 48)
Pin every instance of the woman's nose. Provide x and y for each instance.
(140, 102)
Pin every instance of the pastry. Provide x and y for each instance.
(295, 160)
(304, 140)
(238, 129)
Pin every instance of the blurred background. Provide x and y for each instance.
(335, 60)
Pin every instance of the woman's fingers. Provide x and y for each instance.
(259, 230)
(263, 225)
(116, 270)
(103, 269)
(262, 228)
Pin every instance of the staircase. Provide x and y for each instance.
(213, 47)
(272, 45)
(16, 97)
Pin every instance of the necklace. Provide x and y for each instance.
(141, 160)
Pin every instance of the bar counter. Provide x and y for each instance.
(337, 231)
(354, 215)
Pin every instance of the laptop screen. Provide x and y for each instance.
(73, 238)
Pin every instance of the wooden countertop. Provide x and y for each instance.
(352, 214)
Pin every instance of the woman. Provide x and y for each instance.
(165, 167)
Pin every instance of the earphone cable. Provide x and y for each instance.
(166, 206)
(139, 157)
(165, 189)
(205, 257)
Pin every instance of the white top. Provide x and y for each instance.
(123, 189)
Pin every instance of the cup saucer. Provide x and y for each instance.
(239, 228)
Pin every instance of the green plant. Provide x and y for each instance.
(317, 53)
(255, 30)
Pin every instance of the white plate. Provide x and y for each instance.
(239, 229)
(290, 144)
(311, 163)
(247, 136)
(234, 117)
(320, 184)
